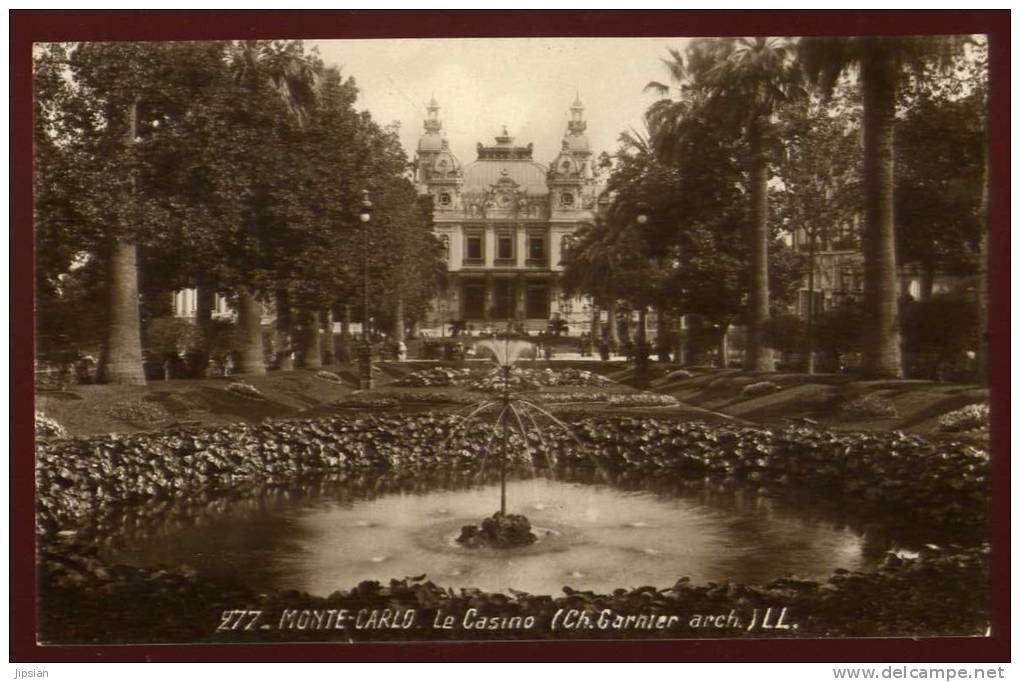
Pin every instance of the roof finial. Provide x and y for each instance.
(577, 100)
(504, 137)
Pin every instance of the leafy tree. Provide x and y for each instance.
(104, 119)
(939, 175)
(592, 265)
(819, 197)
(56, 214)
(882, 63)
(742, 82)
(264, 69)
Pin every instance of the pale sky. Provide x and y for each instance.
(526, 83)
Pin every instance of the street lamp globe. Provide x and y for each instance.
(366, 207)
(642, 213)
(365, 381)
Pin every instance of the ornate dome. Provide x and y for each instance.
(430, 142)
(565, 164)
(505, 162)
(445, 163)
(528, 175)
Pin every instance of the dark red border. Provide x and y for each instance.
(27, 27)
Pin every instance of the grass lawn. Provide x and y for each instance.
(827, 399)
(707, 395)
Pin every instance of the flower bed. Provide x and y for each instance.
(759, 388)
(642, 400)
(493, 379)
(645, 399)
(138, 412)
(48, 427)
(434, 397)
(969, 418)
(331, 377)
(940, 485)
(246, 390)
(369, 402)
(570, 397)
(530, 379)
(435, 376)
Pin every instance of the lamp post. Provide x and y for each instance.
(641, 347)
(365, 381)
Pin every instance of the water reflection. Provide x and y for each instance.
(602, 531)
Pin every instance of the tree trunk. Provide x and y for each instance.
(809, 332)
(983, 273)
(662, 334)
(927, 282)
(757, 357)
(205, 301)
(343, 341)
(724, 346)
(284, 331)
(398, 320)
(696, 351)
(326, 340)
(249, 325)
(614, 328)
(641, 342)
(311, 355)
(881, 348)
(596, 323)
(121, 362)
(680, 342)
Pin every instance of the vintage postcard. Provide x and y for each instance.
(536, 339)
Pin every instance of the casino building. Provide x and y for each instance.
(505, 220)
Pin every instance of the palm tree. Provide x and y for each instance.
(126, 68)
(881, 62)
(282, 66)
(121, 360)
(592, 264)
(742, 81)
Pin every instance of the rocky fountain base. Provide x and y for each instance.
(500, 531)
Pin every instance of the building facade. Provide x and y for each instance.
(505, 220)
(839, 271)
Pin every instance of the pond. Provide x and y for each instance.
(593, 535)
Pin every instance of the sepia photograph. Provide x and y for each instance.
(487, 339)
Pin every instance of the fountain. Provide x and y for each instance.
(503, 530)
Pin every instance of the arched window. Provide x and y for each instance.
(445, 199)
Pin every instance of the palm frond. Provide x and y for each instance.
(658, 88)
